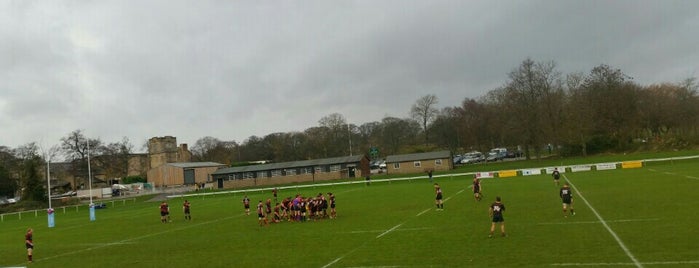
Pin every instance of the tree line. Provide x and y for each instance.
(537, 108)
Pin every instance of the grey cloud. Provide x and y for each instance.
(236, 69)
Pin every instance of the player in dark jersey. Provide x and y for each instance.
(29, 243)
(185, 207)
(556, 176)
(246, 205)
(274, 193)
(261, 219)
(566, 195)
(333, 213)
(438, 197)
(302, 209)
(295, 208)
(164, 212)
(496, 209)
(323, 206)
(477, 188)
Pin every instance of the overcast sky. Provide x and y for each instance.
(234, 69)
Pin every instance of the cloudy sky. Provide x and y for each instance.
(234, 69)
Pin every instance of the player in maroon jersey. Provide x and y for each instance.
(164, 212)
(496, 209)
(29, 243)
(185, 208)
(268, 208)
(438, 197)
(477, 188)
(277, 213)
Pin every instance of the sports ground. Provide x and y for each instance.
(643, 217)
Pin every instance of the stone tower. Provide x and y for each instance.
(163, 150)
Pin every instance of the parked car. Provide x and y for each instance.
(472, 157)
(457, 159)
(493, 156)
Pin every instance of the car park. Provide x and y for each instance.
(472, 157)
(494, 156)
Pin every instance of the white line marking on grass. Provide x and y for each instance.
(586, 222)
(390, 266)
(333, 262)
(348, 253)
(107, 244)
(625, 263)
(457, 193)
(423, 212)
(669, 173)
(389, 230)
(604, 223)
(134, 239)
(382, 234)
(399, 230)
(691, 177)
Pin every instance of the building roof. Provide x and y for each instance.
(418, 156)
(293, 164)
(195, 164)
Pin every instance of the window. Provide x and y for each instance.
(335, 168)
(417, 163)
(319, 170)
(249, 175)
(276, 173)
(261, 174)
(307, 170)
(438, 162)
(290, 172)
(396, 165)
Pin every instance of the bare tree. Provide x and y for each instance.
(75, 148)
(114, 158)
(425, 111)
(532, 97)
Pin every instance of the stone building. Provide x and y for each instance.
(419, 162)
(182, 173)
(163, 150)
(315, 170)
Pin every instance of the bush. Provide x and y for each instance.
(133, 179)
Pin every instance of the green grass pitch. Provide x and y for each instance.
(633, 217)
